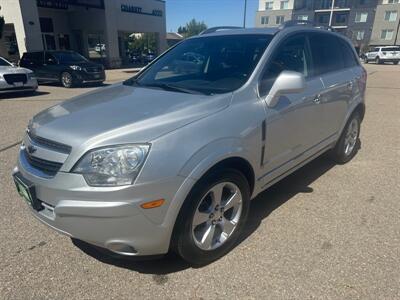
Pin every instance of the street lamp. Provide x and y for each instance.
(244, 16)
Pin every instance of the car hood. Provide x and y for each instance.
(123, 114)
(13, 70)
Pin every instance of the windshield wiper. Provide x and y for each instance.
(174, 88)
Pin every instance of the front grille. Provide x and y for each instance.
(93, 69)
(59, 147)
(48, 167)
(12, 78)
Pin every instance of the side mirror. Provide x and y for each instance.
(14, 65)
(288, 82)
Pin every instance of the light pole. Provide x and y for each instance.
(244, 16)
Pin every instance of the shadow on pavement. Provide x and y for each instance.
(261, 207)
(15, 95)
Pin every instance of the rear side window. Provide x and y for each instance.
(326, 53)
(349, 59)
(35, 57)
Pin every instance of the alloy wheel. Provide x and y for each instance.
(217, 215)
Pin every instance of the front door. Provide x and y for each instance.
(292, 128)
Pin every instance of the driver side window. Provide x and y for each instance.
(292, 55)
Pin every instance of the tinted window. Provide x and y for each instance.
(350, 60)
(213, 64)
(326, 53)
(391, 49)
(68, 57)
(292, 55)
(35, 57)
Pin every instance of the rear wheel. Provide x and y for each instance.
(396, 62)
(67, 80)
(212, 217)
(349, 142)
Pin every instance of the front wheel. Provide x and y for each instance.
(349, 142)
(378, 61)
(396, 62)
(212, 217)
(67, 80)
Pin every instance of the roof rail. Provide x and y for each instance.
(219, 28)
(292, 23)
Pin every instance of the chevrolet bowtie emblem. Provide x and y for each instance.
(31, 149)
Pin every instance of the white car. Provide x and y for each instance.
(16, 79)
(383, 54)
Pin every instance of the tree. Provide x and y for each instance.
(192, 28)
(2, 22)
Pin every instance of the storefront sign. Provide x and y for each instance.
(138, 10)
(57, 4)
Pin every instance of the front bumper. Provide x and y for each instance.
(86, 77)
(112, 216)
(30, 86)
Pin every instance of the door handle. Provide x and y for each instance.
(317, 99)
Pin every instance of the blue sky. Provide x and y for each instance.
(212, 12)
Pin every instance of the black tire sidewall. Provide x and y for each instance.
(185, 245)
(339, 150)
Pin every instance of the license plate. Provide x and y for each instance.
(18, 84)
(97, 76)
(27, 191)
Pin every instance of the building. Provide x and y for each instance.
(353, 18)
(98, 29)
(173, 38)
(386, 29)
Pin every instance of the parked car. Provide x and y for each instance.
(66, 67)
(15, 79)
(381, 55)
(148, 57)
(135, 57)
(168, 161)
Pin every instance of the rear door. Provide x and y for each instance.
(33, 61)
(333, 61)
(292, 125)
(51, 68)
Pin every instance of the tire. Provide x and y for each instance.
(396, 62)
(349, 143)
(204, 231)
(67, 80)
(378, 61)
(365, 60)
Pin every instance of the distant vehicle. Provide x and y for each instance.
(15, 79)
(381, 55)
(100, 48)
(148, 57)
(135, 57)
(67, 67)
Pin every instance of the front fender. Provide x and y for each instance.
(214, 152)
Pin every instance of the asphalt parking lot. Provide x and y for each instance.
(327, 231)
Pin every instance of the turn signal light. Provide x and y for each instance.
(153, 204)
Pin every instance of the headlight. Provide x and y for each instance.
(76, 68)
(112, 166)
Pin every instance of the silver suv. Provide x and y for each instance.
(170, 159)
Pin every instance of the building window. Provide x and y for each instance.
(363, 2)
(323, 18)
(284, 4)
(341, 18)
(391, 15)
(361, 17)
(269, 5)
(393, 1)
(264, 20)
(280, 19)
(302, 18)
(387, 34)
(359, 35)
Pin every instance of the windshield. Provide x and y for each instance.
(391, 49)
(69, 57)
(209, 65)
(4, 63)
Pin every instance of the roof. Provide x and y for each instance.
(174, 36)
(267, 31)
